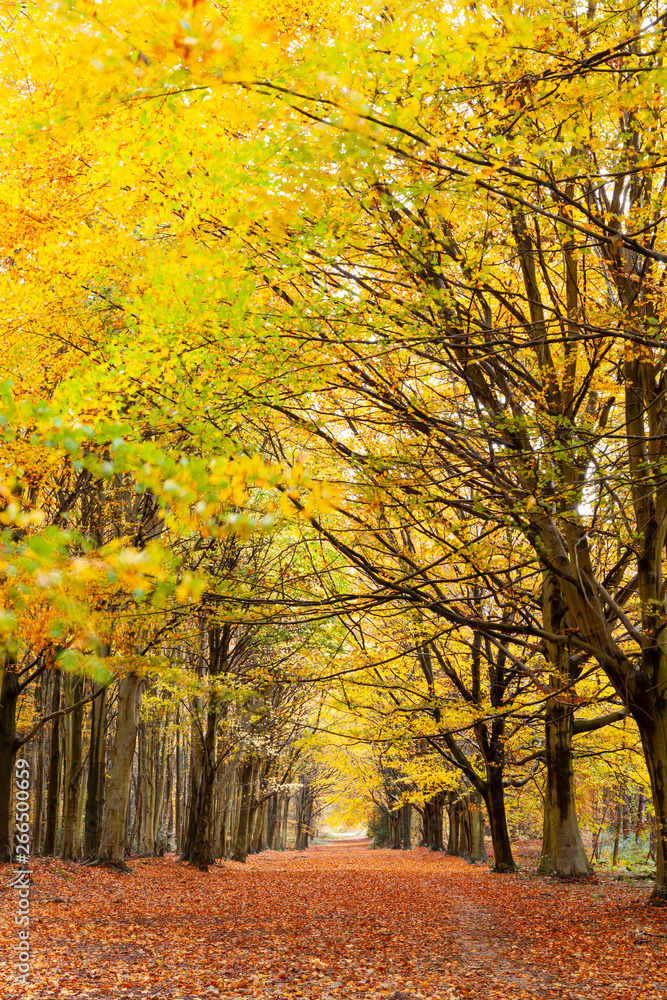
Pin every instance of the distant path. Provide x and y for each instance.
(342, 842)
(336, 922)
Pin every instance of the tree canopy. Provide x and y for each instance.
(334, 426)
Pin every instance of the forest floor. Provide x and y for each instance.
(335, 922)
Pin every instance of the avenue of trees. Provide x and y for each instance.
(334, 416)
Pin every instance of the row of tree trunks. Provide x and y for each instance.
(433, 832)
(466, 824)
(246, 818)
(243, 814)
(470, 817)
(400, 827)
(233, 811)
(229, 814)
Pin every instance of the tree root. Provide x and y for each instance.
(659, 896)
(118, 866)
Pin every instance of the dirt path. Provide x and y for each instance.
(336, 922)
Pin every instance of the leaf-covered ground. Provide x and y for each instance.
(330, 923)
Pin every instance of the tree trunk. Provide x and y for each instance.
(53, 784)
(563, 851)
(8, 748)
(72, 785)
(194, 793)
(177, 792)
(258, 838)
(240, 849)
(653, 732)
(273, 809)
(433, 827)
(132, 823)
(285, 823)
(149, 782)
(300, 810)
(305, 805)
(626, 816)
(427, 822)
(494, 799)
(141, 793)
(96, 774)
(454, 824)
(198, 847)
(406, 827)
(276, 842)
(465, 830)
(395, 830)
(78, 846)
(40, 701)
(307, 829)
(641, 821)
(113, 830)
(476, 822)
(226, 794)
(617, 835)
(202, 851)
(161, 765)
